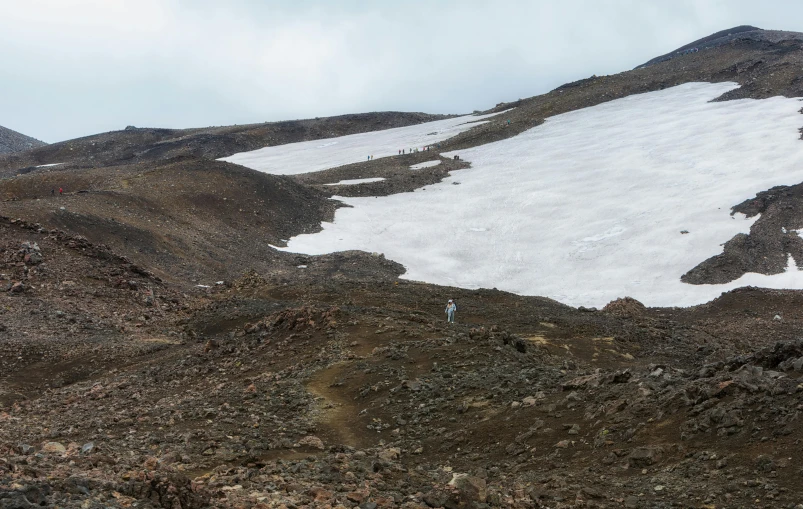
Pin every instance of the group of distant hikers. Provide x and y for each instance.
(414, 150)
(53, 191)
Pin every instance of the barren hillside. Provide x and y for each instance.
(159, 351)
(12, 142)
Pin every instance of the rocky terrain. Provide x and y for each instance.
(158, 352)
(12, 141)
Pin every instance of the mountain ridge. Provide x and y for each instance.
(12, 141)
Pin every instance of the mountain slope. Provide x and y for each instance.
(142, 145)
(12, 141)
(326, 381)
(764, 68)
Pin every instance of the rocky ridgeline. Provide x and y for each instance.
(12, 141)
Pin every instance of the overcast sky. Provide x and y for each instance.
(70, 68)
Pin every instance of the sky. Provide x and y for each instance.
(71, 68)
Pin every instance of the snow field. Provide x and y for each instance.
(589, 206)
(310, 156)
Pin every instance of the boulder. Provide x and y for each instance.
(54, 448)
(389, 455)
(644, 456)
(470, 489)
(312, 441)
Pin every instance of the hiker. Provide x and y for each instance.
(369, 158)
(61, 191)
(451, 307)
(53, 192)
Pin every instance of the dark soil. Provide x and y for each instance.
(191, 220)
(396, 171)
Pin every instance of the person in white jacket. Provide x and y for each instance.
(451, 307)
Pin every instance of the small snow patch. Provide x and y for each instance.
(425, 164)
(47, 165)
(356, 181)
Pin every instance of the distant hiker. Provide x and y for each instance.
(451, 307)
(53, 192)
(61, 191)
(369, 158)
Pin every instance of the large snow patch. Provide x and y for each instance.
(309, 156)
(590, 205)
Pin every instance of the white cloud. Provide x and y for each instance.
(77, 67)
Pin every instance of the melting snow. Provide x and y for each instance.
(46, 165)
(356, 181)
(425, 164)
(309, 156)
(589, 206)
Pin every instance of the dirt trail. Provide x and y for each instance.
(338, 414)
